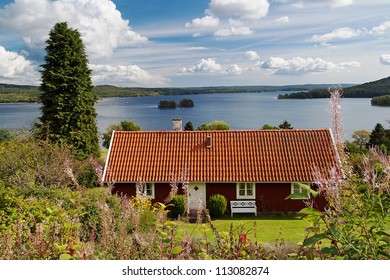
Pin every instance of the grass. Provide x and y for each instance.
(264, 229)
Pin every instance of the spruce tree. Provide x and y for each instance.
(67, 97)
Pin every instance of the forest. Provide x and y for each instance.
(367, 90)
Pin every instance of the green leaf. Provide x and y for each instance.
(65, 257)
(329, 251)
(314, 239)
(177, 250)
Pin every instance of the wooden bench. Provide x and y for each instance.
(243, 206)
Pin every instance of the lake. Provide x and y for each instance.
(239, 110)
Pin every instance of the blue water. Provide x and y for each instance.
(239, 110)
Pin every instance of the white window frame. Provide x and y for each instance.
(294, 186)
(146, 185)
(246, 185)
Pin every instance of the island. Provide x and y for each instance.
(170, 104)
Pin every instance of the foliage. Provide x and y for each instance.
(285, 125)
(214, 125)
(26, 162)
(5, 135)
(356, 222)
(367, 90)
(188, 126)
(217, 205)
(380, 137)
(68, 113)
(361, 137)
(125, 125)
(167, 104)
(381, 100)
(185, 103)
(177, 207)
(268, 126)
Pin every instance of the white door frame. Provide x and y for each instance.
(196, 191)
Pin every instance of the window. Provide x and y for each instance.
(147, 189)
(299, 189)
(246, 190)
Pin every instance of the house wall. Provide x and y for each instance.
(127, 189)
(270, 197)
(161, 190)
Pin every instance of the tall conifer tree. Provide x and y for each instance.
(68, 112)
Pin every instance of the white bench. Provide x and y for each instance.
(243, 206)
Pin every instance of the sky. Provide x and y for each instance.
(196, 43)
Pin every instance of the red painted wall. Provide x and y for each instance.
(270, 197)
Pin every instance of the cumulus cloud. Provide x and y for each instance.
(234, 69)
(381, 29)
(285, 19)
(385, 59)
(337, 34)
(15, 69)
(300, 66)
(125, 75)
(204, 66)
(99, 22)
(210, 65)
(248, 9)
(206, 21)
(233, 31)
(252, 55)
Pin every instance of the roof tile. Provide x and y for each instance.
(234, 155)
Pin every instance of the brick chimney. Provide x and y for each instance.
(177, 124)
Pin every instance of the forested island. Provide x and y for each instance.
(381, 101)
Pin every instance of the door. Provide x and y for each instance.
(196, 195)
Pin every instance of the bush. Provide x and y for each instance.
(178, 207)
(217, 205)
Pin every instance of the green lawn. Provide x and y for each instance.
(265, 229)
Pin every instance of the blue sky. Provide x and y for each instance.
(180, 43)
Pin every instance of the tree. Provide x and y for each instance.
(188, 126)
(214, 125)
(122, 126)
(268, 126)
(285, 125)
(5, 135)
(380, 137)
(361, 137)
(68, 113)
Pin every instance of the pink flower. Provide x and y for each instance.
(243, 238)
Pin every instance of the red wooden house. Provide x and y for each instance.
(261, 165)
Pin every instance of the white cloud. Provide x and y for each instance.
(210, 65)
(99, 22)
(340, 3)
(385, 59)
(206, 21)
(125, 75)
(331, 3)
(252, 55)
(248, 9)
(233, 31)
(381, 29)
(204, 66)
(300, 66)
(337, 34)
(234, 69)
(285, 19)
(15, 69)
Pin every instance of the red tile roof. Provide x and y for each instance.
(234, 156)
